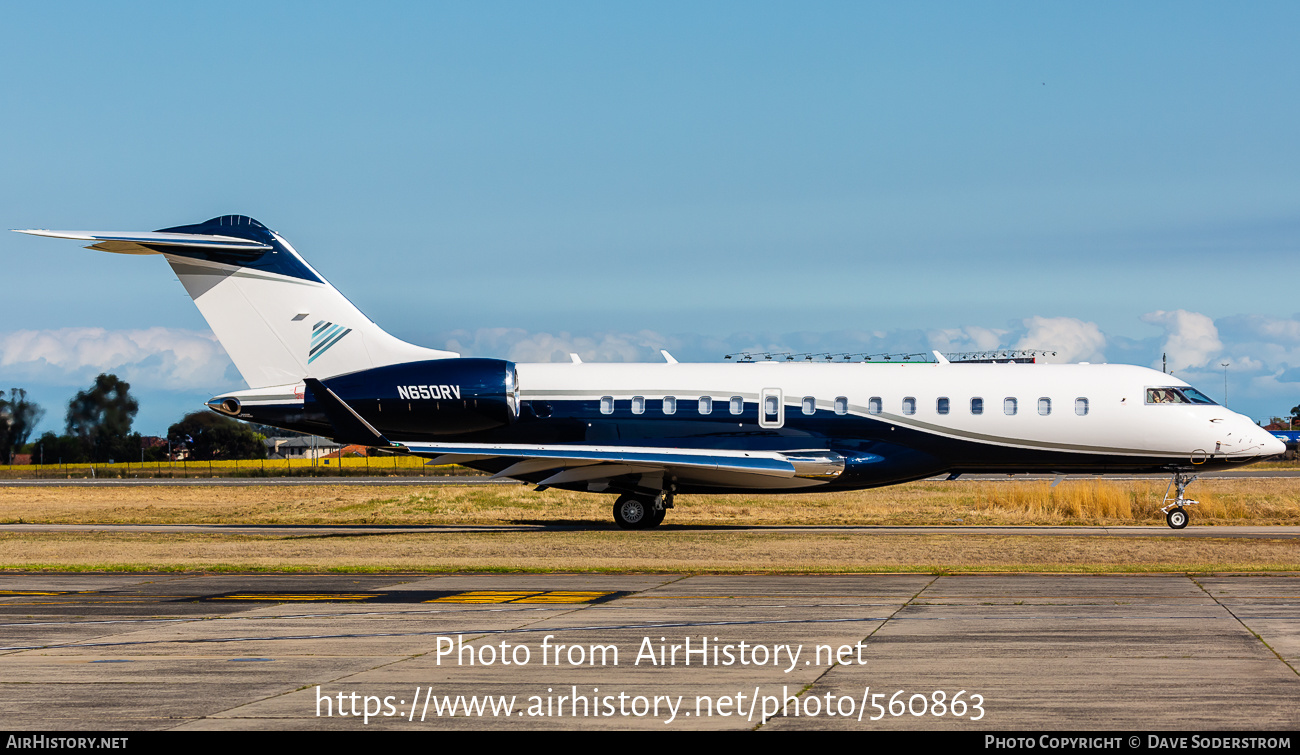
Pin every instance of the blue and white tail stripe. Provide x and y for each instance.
(323, 336)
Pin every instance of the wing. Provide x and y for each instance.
(561, 465)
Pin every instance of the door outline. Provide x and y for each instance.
(763, 421)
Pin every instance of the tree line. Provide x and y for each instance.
(98, 429)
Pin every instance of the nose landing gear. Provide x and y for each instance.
(1175, 511)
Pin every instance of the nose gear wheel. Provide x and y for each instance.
(1175, 511)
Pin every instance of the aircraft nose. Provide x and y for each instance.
(1248, 441)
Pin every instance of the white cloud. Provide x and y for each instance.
(1263, 352)
(1191, 338)
(1245, 363)
(1261, 328)
(158, 358)
(643, 346)
(1073, 340)
(969, 338)
(520, 345)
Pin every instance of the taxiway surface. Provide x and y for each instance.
(281, 651)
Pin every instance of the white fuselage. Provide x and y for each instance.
(1115, 420)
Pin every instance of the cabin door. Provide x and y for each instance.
(771, 409)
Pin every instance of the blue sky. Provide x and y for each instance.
(526, 179)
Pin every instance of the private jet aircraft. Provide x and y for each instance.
(646, 432)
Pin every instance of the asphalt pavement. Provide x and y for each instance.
(651, 652)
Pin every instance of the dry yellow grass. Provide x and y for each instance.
(1220, 501)
(1242, 501)
(661, 551)
(1275, 501)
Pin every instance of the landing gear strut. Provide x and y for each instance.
(1175, 511)
(639, 512)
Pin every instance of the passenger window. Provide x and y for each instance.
(809, 405)
(909, 405)
(638, 404)
(737, 404)
(977, 406)
(670, 404)
(706, 405)
(941, 406)
(1044, 406)
(841, 405)
(771, 406)
(1081, 406)
(873, 405)
(1009, 407)
(606, 404)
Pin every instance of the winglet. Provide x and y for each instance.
(349, 427)
(669, 358)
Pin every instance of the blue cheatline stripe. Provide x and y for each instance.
(326, 347)
(324, 335)
(316, 327)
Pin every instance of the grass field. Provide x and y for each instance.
(658, 551)
(603, 548)
(1237, 501)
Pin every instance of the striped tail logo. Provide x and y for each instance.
(323, 336)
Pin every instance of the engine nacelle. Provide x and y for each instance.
(436, 398)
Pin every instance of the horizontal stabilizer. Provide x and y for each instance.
(133, 242)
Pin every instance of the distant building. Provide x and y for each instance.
(301, 447)
(349, 451)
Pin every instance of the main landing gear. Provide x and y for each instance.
(1175, 511)
(640, 512)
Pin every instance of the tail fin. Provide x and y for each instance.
(277, 318)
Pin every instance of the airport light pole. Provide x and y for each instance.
(1224, 365)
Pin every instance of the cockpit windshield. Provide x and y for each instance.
(1197, 397)
(1176, 396)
